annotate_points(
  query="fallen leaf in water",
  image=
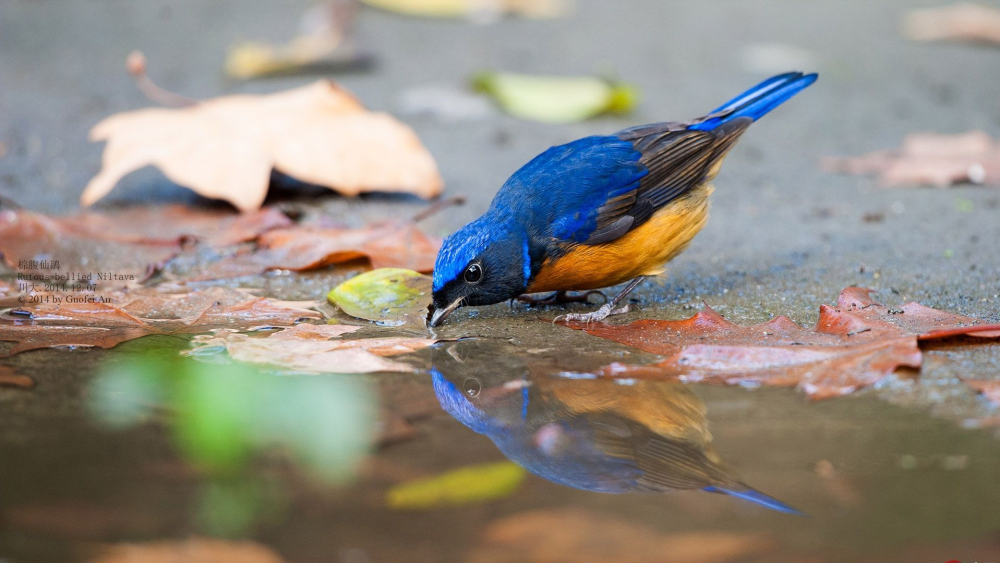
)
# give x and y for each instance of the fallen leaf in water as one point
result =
(106, 320)
(958, 22)
(314, 349)
(226, 147)
(325, 43)
(197, 550)
(117, 248)
(929, 159)
(988, 388)
(475, 9)
(392, 296)
(10, 378)
(477, 483)
(556, 99)
(575, 536)
(387, 245)
(853, 345)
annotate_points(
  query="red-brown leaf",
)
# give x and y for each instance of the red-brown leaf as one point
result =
(129, 242)
(10, 378)
(853, 345)
(929, 159)
(139, 313)
(387, 245)
(988, 388)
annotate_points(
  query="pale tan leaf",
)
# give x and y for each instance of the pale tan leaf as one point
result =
(195, 550)
(575, 536)
(226, 147)
(316, 349)
(958, 22)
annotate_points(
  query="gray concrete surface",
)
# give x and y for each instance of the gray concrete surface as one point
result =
(783, 238)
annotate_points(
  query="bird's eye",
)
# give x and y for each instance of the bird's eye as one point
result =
(474, 273)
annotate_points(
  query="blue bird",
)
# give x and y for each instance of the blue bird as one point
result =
(601, 435)
(598, 211)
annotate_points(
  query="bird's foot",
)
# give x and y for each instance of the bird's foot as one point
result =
(597, 316)
(560, 298)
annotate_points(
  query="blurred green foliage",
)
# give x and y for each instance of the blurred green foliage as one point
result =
(223, 416)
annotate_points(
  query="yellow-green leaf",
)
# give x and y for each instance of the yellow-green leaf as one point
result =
(556, 99)
(539, 9)
(477, 483)
(391, 296)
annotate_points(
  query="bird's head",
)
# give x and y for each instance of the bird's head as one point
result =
(482, 263)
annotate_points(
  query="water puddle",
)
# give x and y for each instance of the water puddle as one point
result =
(617, 470)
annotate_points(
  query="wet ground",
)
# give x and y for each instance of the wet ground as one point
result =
(898, 473)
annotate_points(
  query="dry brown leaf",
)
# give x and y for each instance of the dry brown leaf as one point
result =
(387, 245)
(10, 378)
(853, 345)
(125, 245)
(122, 316)
(316, 349)
(574, 536)
(226, 147)
(325, 43)
(196, 550)
(988, 388)
(929, 159)
(958, 22)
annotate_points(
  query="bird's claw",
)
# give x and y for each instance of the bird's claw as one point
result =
(593, 317)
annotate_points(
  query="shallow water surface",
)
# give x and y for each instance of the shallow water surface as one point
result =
(615, 468)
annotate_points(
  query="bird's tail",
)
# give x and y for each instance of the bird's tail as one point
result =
(754, 496)
(757, 101)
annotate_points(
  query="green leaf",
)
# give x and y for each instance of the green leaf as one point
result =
(477, 483)
(556, 99)
(390, 296)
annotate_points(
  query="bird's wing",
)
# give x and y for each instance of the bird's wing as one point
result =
(675, 159)
(664, 463)
(647, 167)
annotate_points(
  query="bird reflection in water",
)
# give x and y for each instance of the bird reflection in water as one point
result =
(602, 435)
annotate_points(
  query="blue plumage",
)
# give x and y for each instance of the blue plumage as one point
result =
(595, 435)
(756, 497)
(591, 191)
(759, 100)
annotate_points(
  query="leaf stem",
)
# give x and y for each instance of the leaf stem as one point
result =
(135, 63)
(437, 207)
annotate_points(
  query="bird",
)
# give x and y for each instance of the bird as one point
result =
(601, 435)
(598, 211)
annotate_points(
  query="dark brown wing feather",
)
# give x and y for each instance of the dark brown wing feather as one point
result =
(678, 159)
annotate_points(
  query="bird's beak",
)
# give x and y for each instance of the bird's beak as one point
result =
(437, 316)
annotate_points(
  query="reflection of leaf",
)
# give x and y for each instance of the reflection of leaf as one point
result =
(387, 245)
(853, 345)
(10, 378)
(988, 388)
(226, 148)
(478, 483)
(556, 99)
(391, 295)
(316, 349)
(574, 536)
(958, 22)
(929, 159)
(139, 312)
(197, 550)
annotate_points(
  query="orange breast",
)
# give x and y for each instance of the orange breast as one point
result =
(641, 252)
